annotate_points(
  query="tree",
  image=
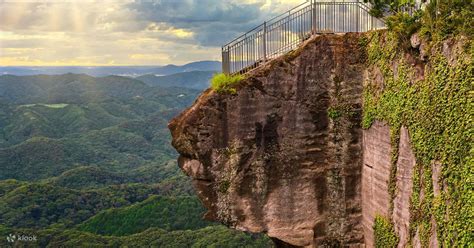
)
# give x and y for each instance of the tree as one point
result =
(382, 8)
(448, 17)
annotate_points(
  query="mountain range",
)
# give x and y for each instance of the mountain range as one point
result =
(198, 80)
(101, 71)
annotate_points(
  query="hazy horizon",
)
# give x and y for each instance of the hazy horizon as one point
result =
(151, 65)
(128, 71)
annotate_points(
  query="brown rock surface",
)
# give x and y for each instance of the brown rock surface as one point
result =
(270, 159)
(404, 184)
(375, 177)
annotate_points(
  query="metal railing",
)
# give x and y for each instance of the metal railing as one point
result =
(287, 31)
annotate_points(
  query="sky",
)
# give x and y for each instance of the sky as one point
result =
(125, 32)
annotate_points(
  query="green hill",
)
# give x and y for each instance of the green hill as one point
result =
(168, 213)
(58, 120)
(91, 177)
(40, 205)
(112, 149)
(69, 88)
(194, 79)
(84, 177)
(39, 158)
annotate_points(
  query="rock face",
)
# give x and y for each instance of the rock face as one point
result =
(284, 154)
(404, 185)
(377, 160)
(375, 177)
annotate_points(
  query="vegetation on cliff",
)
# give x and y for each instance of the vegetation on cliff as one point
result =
(436, 19)
(384, 233)
(223, 83)
(435, 104)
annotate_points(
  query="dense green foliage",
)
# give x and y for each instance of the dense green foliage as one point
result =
(40, 157)
(437, 110)
(168, 213)
(223, 83)
(78, 152)
(85, 177)
(404, 25)
(212, 236)
(40, 205)
(442, 19)
(384, 233)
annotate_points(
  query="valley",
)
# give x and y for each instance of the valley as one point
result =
(87, 161)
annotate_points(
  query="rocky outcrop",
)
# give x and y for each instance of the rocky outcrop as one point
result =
(284, 154)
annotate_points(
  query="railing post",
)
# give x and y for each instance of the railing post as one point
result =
(371, 22)
(225, 62)
(313, 16)
(359, 27)
(265, 41)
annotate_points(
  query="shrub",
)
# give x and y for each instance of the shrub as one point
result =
(223, 83)
(334, 113)
(404, 25)
(381, 8)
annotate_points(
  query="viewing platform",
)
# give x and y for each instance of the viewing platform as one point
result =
(287, 31)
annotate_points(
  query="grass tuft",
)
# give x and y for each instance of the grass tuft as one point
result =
(223, 83)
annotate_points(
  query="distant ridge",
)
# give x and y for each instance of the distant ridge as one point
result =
(198, 80)
(130, 71)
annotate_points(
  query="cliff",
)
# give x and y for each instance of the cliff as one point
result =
(310, 151)
(271, 159)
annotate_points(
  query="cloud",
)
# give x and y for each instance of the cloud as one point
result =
(213, 22)
(125, 32)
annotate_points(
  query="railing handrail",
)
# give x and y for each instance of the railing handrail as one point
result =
(267, 22)
(292, 27)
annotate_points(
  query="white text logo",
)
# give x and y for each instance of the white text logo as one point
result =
(21, 238)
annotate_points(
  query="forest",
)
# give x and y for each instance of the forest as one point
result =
(87, 161)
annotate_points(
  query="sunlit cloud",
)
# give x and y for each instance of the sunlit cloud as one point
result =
(125, 32)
